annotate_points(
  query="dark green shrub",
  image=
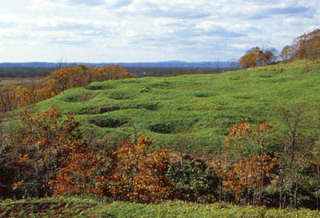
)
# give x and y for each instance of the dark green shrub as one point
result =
(193, 181)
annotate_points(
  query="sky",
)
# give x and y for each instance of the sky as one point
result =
(148, 30)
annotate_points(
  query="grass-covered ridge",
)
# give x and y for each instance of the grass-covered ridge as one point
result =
(197, 107)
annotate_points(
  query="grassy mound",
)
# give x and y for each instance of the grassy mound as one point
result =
(201, 107)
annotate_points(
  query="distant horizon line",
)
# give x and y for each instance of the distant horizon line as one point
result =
(113, 62)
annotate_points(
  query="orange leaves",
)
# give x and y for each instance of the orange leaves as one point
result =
(251, 173)
(66, 78)
(257, 57)
(245, 165)
(139, 175)
(80, 174)
(17, 185)
(23, 159)
(47, 143)
(127, 173)
(240, 130)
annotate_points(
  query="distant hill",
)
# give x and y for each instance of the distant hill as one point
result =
(166, 64)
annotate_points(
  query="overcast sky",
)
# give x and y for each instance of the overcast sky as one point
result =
(148, 30)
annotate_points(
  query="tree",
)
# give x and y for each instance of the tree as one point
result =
(84, 173)
(287, 53)
(306, 46)
(42, 144)
(293, 160)
(246, 167)
(138, 175)
(258, 57)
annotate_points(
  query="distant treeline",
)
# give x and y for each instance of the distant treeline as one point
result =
(14, 72)
(165, 72)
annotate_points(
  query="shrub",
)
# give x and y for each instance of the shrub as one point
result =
(193, 181)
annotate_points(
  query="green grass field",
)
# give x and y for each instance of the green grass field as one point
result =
(87, 207)
(193, 108)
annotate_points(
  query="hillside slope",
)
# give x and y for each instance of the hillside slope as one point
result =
(197, 109)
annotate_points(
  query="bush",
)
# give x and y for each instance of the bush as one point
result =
(193, 181)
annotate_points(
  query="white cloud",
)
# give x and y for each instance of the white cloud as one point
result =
(149, 30)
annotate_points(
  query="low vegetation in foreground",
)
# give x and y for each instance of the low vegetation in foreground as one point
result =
(88, 207)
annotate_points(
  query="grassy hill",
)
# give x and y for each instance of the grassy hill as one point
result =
(197, 109)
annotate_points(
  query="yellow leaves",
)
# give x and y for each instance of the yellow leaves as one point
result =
(23, 159)
(239, 130)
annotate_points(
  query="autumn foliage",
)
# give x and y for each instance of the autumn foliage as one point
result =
(257, 57)
(306, 46)
(45, 154)
(40, 146)
(246, 168)
(139, 175)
